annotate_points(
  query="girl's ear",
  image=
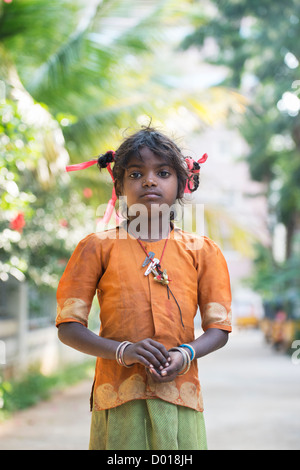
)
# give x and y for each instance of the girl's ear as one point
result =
(180, 190)
(118, 188)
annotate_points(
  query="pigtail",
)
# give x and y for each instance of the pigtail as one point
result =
(102, 161)
(105, 159)
(193, 179)
(194, 184)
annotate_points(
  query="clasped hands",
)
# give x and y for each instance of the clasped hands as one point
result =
(161, 364)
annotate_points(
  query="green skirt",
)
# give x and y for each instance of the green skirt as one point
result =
(148, 425)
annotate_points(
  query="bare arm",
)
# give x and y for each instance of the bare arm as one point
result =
(148, 352)
(210, 341)
(84, 340)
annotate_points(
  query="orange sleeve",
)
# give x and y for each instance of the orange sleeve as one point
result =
(214, 291)
(78, 284)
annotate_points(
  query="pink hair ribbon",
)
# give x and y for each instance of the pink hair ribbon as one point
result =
(112, 202)
(81, 166)
(193, 168)
(110, 207)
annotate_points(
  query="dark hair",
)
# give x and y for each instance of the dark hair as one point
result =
(159, 144)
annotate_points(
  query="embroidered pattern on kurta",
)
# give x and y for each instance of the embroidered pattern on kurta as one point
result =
(135, 388)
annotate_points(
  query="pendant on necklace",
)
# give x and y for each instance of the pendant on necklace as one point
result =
(159, 275)
(162, 277)
(154, 268)
(151, 268)
(149, 258)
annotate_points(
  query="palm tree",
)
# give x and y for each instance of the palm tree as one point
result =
(97, 67)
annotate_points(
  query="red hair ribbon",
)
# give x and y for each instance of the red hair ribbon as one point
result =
(194, 168)
(81, 166)
(112, 202)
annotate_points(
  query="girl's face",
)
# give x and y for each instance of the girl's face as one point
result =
(149, 180)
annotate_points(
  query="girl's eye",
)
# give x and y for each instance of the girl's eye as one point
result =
(135, 174)
(164, 173)
(138, 174)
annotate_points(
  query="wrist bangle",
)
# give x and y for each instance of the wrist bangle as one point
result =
(187, 364)
(120, 353)
(193, 352)
(186, 360)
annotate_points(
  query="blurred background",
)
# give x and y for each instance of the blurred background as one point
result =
(76, 77)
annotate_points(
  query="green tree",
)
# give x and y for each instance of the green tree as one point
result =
(40, 218)
(258, 43)
(75, 73)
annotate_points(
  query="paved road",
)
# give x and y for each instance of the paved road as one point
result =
(251, 397)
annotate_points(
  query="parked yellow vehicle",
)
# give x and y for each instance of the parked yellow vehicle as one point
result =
(247, 309)
(281, 326)
(249, 321)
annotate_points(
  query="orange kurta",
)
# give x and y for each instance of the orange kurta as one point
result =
(134, 306)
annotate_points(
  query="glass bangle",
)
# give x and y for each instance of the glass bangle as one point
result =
(120, 352)
(193, 352)
(186, 360)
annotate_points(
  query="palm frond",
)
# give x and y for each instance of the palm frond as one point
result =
(53, 72)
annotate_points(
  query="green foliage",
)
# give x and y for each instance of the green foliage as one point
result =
(34, 387)
(275, 279)
(89, 67)
(76, 75)
(76, 71)
(258, 43)
(52, 216)
(101, 70)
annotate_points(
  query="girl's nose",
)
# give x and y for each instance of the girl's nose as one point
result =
(149, 181)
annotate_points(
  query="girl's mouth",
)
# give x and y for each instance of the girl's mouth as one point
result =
(151, 195)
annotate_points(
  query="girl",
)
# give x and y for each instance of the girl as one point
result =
(150, 278)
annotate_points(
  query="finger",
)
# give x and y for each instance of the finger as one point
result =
(162, 349)
(154, 358)
(168, 371)
(148, 353)
(149, 360)
(171, 369)
(159, 351)
(143, 353)
(135, 353)
(163, 378)
(154, 374)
